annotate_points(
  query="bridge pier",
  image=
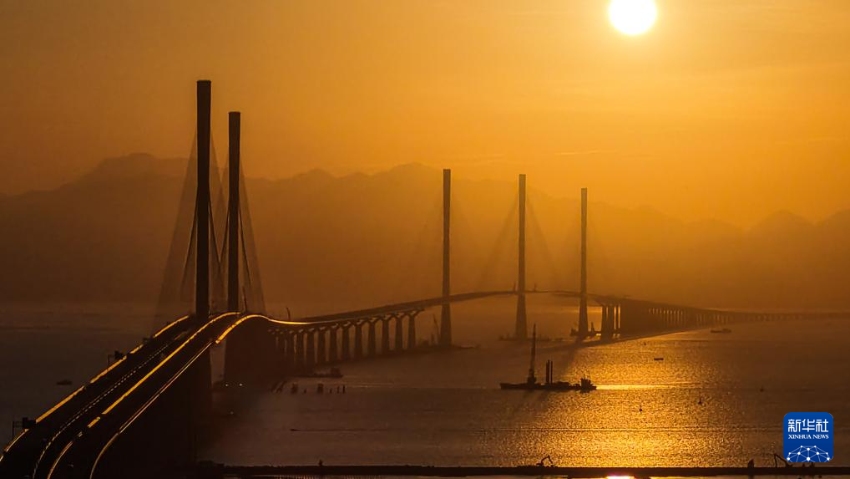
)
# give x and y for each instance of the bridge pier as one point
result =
(373, 348)
(617, 318)
(607, 326)
(311, 350)
(289, 351)
(346, 342)
(334, 356)
(300, 356)
(411, 332)
(358, 340)
(250, 355)
(385, 336)
(399, 337)
(322, 350)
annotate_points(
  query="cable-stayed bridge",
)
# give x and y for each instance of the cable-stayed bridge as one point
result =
(149, 407)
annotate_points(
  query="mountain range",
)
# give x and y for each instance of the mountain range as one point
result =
(326, 242)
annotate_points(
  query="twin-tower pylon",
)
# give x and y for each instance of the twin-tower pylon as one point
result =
(234, 234)
(521, 325)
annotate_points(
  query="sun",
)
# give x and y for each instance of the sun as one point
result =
(632, 17)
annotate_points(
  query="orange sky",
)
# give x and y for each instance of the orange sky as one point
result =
(728, 108)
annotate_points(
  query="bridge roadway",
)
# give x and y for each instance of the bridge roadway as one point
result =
(33, 452)
(68, 440)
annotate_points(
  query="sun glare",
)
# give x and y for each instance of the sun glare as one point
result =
(632, 17)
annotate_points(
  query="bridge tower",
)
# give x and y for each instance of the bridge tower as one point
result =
(446, 313)
(202, 201)
(582, 309)
(521, 319)
(234, 125)
(250, 349)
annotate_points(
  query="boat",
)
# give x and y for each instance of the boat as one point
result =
(63, 382)
(659, 358)
(531, 384)
(721, 331)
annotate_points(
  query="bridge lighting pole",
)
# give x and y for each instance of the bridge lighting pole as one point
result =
(521, 321)
(582, 311)
(446, 314)
(202, 201)
(234, 130)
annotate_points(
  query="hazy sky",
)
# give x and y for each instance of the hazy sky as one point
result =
(727, 108)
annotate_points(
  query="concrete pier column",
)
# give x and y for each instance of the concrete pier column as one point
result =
(385, 336)
(623, 321)
(310, 360)
(334, 352)
(399, 338)
(617, 309)
(321, 348)
(411, 331)
(607, 330)
(346, 342)
(288, 350)
(300, 357)
(373, 348)
(358, 340)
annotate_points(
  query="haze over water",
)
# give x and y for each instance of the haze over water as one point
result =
(448, 409)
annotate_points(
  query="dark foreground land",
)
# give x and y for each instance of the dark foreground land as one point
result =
(210, 471)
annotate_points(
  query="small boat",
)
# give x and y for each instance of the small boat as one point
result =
(721, 331)
(63, 382)
(659, 358)
(531, 384)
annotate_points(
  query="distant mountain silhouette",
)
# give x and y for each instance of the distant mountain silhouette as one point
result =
(327, 242)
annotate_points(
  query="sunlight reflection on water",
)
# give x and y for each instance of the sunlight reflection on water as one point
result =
(713, 400)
